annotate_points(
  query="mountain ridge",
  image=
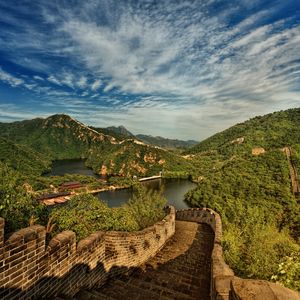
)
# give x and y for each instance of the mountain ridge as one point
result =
(121, 133)
(62, 137)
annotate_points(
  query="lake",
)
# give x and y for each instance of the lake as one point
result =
(174, 191)
(70, 166)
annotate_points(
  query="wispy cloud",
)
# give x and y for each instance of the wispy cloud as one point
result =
(10, 79)
(205, 61)
(96, 84)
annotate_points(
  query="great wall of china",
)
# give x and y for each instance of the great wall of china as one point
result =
(32, 268)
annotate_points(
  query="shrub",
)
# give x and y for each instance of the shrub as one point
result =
(85, 214)
(147, 206)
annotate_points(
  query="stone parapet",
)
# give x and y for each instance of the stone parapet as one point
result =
(32, 269)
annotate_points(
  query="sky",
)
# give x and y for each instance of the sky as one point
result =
(174, 68)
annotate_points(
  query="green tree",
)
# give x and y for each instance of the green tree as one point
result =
(17, 205)
(147, 206)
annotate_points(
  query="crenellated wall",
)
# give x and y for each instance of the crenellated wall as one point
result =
(31, 269)
(224, 285)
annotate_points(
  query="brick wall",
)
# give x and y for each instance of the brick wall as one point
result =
(224, 285)
(31, 269)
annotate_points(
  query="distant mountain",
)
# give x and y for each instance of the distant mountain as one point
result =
(120, 130)
(62, 137)
(119, 133)
(165, 143)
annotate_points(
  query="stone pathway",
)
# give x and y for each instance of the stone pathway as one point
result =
(181, 270)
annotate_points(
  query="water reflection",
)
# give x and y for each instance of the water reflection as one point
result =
(174, 190)
(70, 166)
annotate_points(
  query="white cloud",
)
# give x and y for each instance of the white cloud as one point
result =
(10, 79)
(10, 112)
(96, 84)
(82, 82)
(38, 77)
(108, 87)
(54, 80)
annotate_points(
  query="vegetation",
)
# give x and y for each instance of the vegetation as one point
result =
(17, 205)
(260, 214)
(23, 158)
(85, 214)
(146, 206)
(50, 184)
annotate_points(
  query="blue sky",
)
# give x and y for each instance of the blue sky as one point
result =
(180, 69)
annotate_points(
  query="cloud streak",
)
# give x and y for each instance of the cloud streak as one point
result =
(210, 59)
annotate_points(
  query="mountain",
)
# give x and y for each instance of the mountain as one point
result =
(272, 131)
(57, 137)
(164, 142)
(121, 130)
(62, 137)
(119, 133)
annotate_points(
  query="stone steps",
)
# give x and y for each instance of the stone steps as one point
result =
(181, 270)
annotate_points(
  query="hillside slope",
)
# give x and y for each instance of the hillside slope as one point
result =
(22, 158)
(275, 130)
(252, 192)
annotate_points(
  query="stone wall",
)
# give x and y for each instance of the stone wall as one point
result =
(32, 269)
(224, 285)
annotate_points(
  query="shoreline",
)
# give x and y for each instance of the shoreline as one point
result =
(64, 199)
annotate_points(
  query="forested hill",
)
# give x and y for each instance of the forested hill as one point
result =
(243, 174)
(57, 137)
(275, 130)
(23, 158)
(62, 137)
